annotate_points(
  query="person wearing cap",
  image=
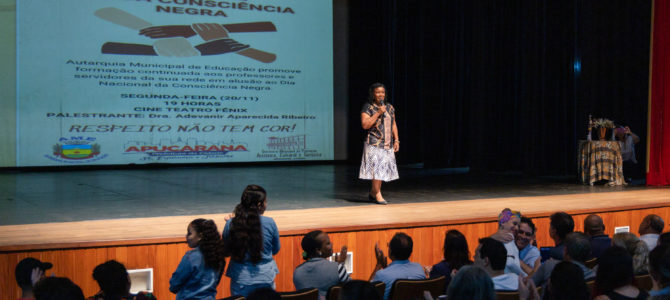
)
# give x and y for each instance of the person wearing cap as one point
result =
(28, 272)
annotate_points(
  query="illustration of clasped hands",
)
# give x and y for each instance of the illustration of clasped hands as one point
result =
(172, 40)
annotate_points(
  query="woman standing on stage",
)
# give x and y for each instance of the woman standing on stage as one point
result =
(378, 163)
(251, 240)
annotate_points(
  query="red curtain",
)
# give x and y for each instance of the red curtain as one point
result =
(659, 131)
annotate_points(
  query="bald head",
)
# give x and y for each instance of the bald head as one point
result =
(593, 225)
(651, 224)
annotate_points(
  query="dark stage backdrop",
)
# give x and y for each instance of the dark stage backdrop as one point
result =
(500, 85)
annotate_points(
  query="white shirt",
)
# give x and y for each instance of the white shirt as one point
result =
(513, 265)
(650, 239)
(506, 282)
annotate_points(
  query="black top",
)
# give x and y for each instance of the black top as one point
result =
(557, 252)
(599, 244)
(377, 134)
(441, 269)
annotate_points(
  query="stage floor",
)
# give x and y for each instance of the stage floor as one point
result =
(30, 197)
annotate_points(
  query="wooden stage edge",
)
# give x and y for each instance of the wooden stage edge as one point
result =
(172, 229)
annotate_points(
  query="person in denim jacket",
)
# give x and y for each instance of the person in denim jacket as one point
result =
(200, 269)
(251, 239)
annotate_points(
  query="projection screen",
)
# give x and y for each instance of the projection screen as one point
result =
(102, 82)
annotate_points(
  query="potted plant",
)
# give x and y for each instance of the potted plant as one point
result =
(602, 125)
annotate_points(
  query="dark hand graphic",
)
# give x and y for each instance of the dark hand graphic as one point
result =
(209, 48)
(156, 32)
(127, 49)
(220, 46)
(171, 39)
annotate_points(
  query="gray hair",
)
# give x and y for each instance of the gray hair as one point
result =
(471, 282)
(636, 248)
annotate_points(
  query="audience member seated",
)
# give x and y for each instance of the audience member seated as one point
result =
(28, 272)
(650, 228)
(528, 253)
(595, 229)
(264, 293)
(659, 269)
(636, 248)
(491, 256)
(577, 249)
(508, 225)
(614, 279)
(400, 249)
(471, 283)
(114, 282)
(663, 239)
(359, 290)
(317, 271)
(560, 225)
(57, 288)
(456, 254)
(567, 282)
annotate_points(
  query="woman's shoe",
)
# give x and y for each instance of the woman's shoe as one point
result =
(374, 200)
(383, 202)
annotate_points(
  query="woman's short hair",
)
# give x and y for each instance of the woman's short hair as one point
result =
(506, 215)
(471, 282)
(309, 244)
(371, 91)
(636, 248)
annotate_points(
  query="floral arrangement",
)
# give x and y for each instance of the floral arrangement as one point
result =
(602, 122)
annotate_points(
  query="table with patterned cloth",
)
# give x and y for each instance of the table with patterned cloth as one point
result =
(600, 160)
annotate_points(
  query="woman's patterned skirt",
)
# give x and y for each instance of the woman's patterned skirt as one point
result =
(378, 163)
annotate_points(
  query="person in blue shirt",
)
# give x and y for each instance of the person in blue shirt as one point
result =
(251, 241)
(317, 271)
(400, 250)
(200, 270)
(528, 253)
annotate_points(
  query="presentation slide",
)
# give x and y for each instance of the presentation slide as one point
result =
(103, 82)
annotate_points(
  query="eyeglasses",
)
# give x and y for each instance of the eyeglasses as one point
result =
(526, 233)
